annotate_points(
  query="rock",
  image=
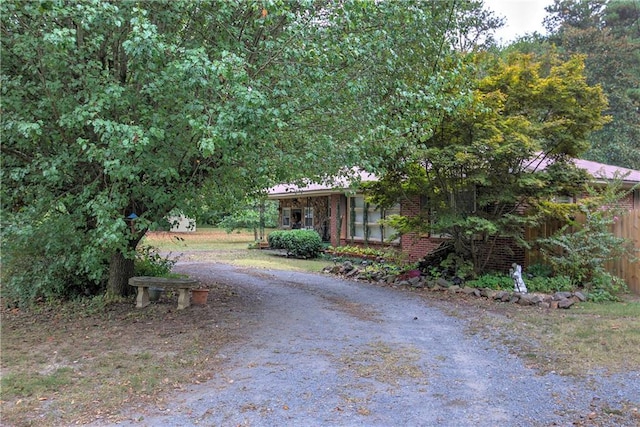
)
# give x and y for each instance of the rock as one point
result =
(502, 296)
(347, 266)
(453, 289)
(544, 305)
(467, 290)
(416, 282)
(561, 295)
(565, 303)
(488, 293)
(581, 297)
(537, 299)
(525, 300)
(403, 283)
(352, 273)
(553, 304)
(443, 283)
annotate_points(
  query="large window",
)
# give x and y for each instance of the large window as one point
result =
(365, 220)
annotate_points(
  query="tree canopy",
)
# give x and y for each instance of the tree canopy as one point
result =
(475, 169)
(608, 34)
(115, 114)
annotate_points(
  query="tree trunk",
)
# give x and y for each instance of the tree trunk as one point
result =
(120, 271)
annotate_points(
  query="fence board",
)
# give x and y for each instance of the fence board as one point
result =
(627, 226)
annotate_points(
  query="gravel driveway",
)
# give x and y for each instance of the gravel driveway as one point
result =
(320, 351)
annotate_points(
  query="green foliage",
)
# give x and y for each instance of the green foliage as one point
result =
(297, 243)
(539, 270)
(605, 287)
(501, 142)
(492, 281)
(386, 254)
(144, 107)
(252, 215)
(276, 239)
(608, 35)
(580, 249)
(50, 259)
(149, 262)
(458, 266)
(549, 285)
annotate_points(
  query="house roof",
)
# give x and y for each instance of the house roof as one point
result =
(331, 186)
(600, 171)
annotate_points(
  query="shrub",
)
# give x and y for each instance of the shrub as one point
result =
(549, 285)
(297, 243)
(275, 239)
(581, 251)
(149, 262)
(492, 281)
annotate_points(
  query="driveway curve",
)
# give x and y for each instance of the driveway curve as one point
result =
(321, 351)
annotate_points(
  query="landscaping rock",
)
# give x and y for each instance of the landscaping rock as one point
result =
(468, 290)
(561, 295)
(581, 297)
(525, 300)
(443, 282)
(416, 282)
(566, 303)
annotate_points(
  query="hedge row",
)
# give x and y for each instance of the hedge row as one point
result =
(297, 243)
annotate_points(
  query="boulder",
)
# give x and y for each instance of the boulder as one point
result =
(565, 303)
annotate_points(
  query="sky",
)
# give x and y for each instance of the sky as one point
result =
(522, 17)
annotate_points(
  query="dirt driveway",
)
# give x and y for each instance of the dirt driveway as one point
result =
(319, 351)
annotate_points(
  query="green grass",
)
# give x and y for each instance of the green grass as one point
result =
(587, 338)
(216, 245)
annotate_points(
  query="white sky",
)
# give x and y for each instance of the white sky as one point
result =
(522, 17)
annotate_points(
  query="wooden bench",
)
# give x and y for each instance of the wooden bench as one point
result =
(183, 285)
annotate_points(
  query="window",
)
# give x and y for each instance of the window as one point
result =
(636, 198)
(286, 217)
(308, 217)
(563, 199)
(365, 220)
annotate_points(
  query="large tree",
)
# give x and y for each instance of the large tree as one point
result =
(479, 170)
(115, 114)
(608, 33)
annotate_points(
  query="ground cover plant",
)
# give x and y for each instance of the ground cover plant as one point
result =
(84, 360)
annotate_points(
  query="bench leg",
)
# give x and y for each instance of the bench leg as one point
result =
(142, 299)
(184, 298)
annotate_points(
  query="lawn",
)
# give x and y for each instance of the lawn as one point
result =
(82, 361)
(216, 245)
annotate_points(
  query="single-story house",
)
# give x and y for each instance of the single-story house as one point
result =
(339, 213)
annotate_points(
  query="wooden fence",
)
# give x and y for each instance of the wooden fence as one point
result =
(627, 226)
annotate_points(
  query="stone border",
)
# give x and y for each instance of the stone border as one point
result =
(557, 300)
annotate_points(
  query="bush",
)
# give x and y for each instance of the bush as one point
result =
(275, 239)
(549, 285)
(49, 260)
(492, 281)
(149, 262)
(297, 243)
(581, 251)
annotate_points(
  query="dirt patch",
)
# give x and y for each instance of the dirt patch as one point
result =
(74, 364)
